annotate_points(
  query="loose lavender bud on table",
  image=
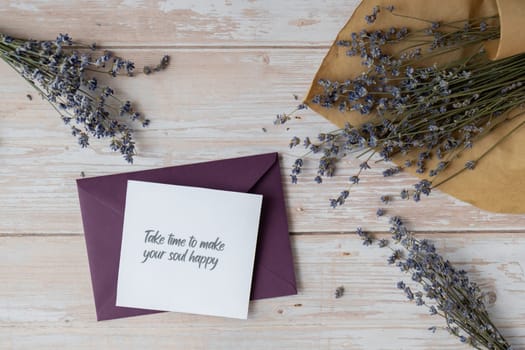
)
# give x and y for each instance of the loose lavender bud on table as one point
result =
(339, 292)
(294, 142)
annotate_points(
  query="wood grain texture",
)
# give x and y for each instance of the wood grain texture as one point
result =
(235, 64)
(210, 104)
(180, 22)
(47, 300)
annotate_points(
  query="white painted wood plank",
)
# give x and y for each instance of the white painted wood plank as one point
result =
(210, 104)
(46, 300)
(180, 22)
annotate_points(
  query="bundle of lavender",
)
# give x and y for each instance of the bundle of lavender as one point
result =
(415, 104)
(59, 70)
(441, 288)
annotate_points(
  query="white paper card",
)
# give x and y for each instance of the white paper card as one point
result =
(188, 249)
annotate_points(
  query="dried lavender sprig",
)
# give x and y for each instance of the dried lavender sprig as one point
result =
(163, 64)
(282, 118)
(58, 71)
(444, 290)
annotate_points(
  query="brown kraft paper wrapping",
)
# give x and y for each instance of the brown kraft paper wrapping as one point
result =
(498, 182)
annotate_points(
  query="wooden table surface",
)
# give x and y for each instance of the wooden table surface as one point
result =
(235, 64)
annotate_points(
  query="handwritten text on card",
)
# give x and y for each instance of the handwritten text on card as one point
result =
(197, 251)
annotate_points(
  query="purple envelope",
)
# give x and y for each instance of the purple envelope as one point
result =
(102, 202)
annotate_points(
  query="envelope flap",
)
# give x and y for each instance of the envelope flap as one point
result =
(238, 174)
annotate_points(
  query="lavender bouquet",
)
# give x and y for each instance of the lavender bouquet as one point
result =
(413, 108)
(435, 284)
(64, 74)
